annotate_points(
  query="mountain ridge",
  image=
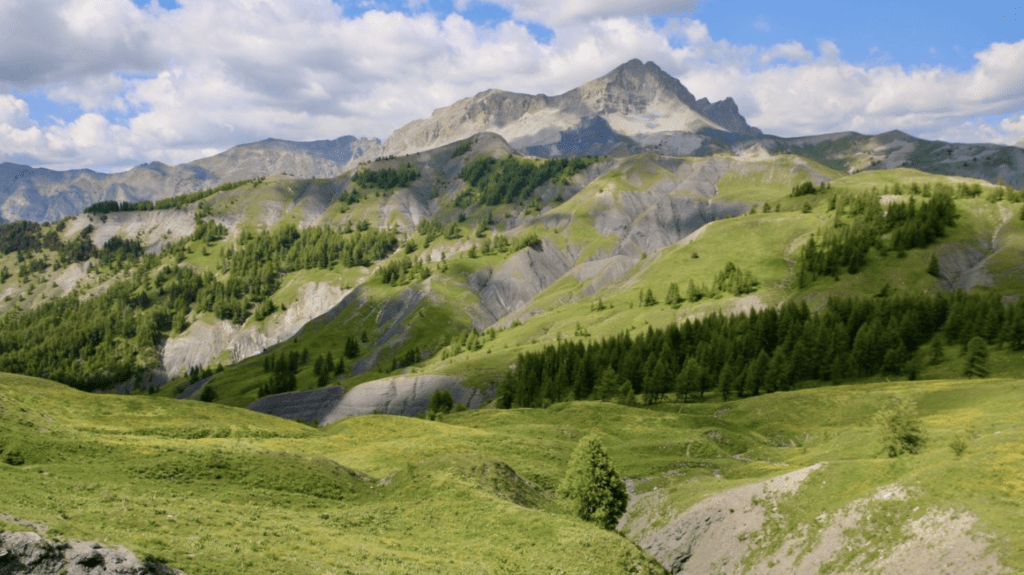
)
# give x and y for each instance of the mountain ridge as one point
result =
(636, 107)
(635, 101)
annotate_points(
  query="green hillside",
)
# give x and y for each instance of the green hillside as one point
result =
(212, 489)
(455, 261)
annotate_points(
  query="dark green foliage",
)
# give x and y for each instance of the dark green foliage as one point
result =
(20, 237)
(403, 270)
(976, 360)
(933, 266)
(208, 394)
(406, 359)
(846, 244)
(462, 148)
(511, 179)
(734, 281)
(899, 428)
(592, 486)
(258, 261)
(386, 178)
(440, 402)
(806, 189)
(282, 378)
(165, 204)
(765, 351)
(324, 368)
(351, 348)
(528, 240)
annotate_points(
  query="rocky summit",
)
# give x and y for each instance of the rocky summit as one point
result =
(634, 105)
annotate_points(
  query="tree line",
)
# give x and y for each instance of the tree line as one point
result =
(511, 179)
(113, 337)
(387, 178)
(765, 351)
(175, 202)
(860, 223)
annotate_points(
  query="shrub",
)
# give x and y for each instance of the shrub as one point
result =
(441, 402)
(899, 428)
(958, 444)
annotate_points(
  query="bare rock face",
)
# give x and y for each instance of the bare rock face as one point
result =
(202, 342)
(29, 554)
(403, 395)
(635, 101)
(521, 277)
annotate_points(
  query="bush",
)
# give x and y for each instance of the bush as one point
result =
(208, 394)
(958, 444)
(592, 485)
(441, 402)
(900, 428)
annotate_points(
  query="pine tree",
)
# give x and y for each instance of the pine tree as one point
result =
(933, 266)
(673, 297)
(592, 485)
(976, 363)
(607, 385)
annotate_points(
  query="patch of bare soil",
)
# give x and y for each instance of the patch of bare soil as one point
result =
(722, 534)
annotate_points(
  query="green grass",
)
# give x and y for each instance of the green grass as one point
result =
(211, 488)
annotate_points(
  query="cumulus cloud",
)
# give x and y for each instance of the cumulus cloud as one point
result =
(177, 85)
(556, 14)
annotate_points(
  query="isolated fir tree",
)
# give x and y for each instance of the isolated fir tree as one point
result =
(592, 485)
(933, 266)
(976, 362)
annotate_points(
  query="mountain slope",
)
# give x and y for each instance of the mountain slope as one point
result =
(853, 152)
(635, 102)
(36, 194)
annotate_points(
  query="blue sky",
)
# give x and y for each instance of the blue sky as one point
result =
(108, 84)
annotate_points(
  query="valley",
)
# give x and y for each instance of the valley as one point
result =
(726, 310)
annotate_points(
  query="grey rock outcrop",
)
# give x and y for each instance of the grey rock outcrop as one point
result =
(521, 277)
(29, 554)
(403, 395)
(634, 102)
(202, 343)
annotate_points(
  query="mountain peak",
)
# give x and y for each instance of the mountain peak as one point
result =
(640, 79)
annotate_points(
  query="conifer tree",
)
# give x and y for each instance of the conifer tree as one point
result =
(606, 385)
(592, 486)
(976, 362)
(673, 297)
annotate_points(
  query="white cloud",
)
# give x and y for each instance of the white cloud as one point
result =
(556, 14)
(207, 76)
(762, 24)
(14, 112)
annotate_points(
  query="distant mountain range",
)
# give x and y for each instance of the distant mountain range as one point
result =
(636, 107)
